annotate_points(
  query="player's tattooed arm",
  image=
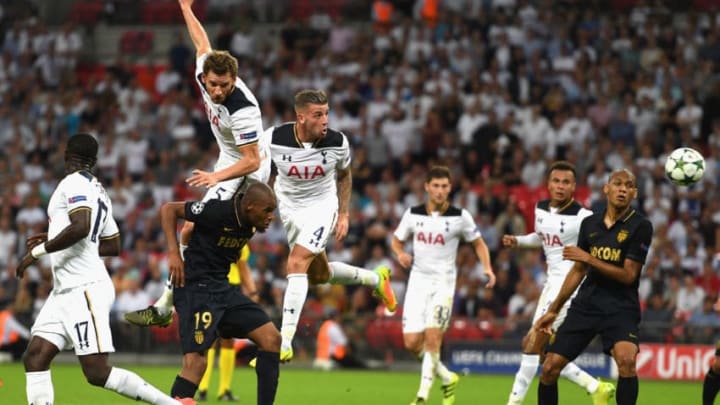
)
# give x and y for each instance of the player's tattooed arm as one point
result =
(344, 189)
(195, 29)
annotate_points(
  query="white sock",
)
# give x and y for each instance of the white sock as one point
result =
(427, 376)
(131, 385)
(524, 376)
(164, 304)
(39, 388)
(342, 273)
(440, 369)
(293, 302)
(575, 374)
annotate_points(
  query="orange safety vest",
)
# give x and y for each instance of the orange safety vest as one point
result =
(382, 12)
(429, 11)
(4, 316)
(323, 343)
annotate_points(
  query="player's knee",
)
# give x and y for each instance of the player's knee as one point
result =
(270, 341)
(315, 278)
(716, 365)
(626, 365)
(34, 360)
(31, 360)
(96, 374)
(413, 345)
(550, 371)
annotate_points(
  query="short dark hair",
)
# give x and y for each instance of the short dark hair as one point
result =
(438, 172)
(83, 146)
(220, 63)
(305, 97)
(564, 166)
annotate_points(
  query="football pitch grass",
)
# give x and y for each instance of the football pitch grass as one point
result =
(303, 386)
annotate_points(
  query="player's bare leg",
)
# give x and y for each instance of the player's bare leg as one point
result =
(379, 279)
(625, 354)
(711, 384)
(426, 346)
(124, 382)
(533, 344)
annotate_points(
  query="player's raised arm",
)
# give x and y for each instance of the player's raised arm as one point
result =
(195, 29)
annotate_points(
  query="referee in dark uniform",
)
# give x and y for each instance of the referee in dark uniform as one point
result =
(208, 306)
(611, 250)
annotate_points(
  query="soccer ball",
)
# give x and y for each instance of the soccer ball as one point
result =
(684, 166)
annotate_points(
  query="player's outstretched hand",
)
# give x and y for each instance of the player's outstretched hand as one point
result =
(545, 323)
(177, 269)
(25, 262)
(509, 240)
(576, 254)
(35, 240)
(201, 178)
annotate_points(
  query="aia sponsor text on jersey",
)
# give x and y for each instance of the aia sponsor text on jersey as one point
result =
(550, 239)
(306, 172)
(430, 239)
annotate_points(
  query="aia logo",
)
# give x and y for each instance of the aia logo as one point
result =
(550, 239)
(430, 238)
(306, 172)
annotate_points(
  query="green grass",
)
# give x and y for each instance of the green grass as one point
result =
(299, 386)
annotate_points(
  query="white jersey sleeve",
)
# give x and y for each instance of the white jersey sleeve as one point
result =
(244, 124)
(470, 231)
(529, 240)
(404, 228)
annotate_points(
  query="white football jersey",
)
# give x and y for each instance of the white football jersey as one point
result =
(80, 263)
(436, 238)
(306, 173)
(235, 122)
(555, 229)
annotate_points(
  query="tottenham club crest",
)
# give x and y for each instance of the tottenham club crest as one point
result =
(622, 235)
(197, 207)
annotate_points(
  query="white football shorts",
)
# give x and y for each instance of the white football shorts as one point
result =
(225, 190)
(309, 227)
(78, 318)
(548, 295)
(428, 303)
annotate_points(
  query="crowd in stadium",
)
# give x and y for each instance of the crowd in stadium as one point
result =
(496, 90)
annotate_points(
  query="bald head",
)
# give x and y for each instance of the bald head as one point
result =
(257, 206)
(258, 192)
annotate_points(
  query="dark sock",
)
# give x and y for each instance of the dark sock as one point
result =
(268, 373)
(547, 394)
(627, 391)
(711, 386)
(183, 388)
